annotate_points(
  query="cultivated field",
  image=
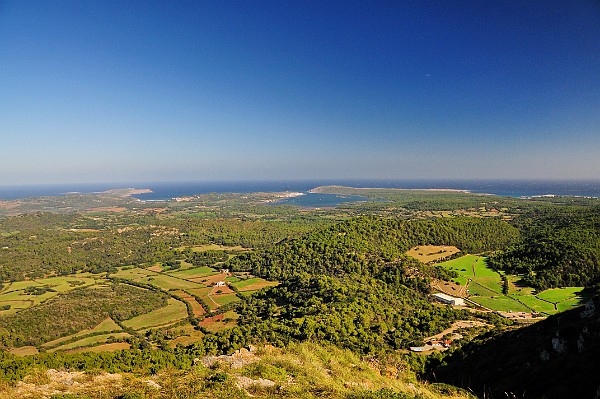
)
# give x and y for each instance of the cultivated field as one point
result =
(485, 287)
(89, 341)
(204, 289)
(107, 325)
(19, 295)
(251, 285)
(174, 311)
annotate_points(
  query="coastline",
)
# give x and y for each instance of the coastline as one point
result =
(321, 189)
(125, 192)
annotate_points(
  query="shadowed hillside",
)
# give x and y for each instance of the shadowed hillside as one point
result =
(555, 358)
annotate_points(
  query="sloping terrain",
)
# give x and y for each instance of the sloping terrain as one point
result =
(554, 358)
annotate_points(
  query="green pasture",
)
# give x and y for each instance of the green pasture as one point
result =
(476, 289)
(167, 282)
(202, 293)
(486, 288)
(556, 295)
(19, 285)
(252, 284)
(224, 299)
(19, 296)
(173, 312)
(535, 304)
(89, 341)
(67, 283)
(500, 303)
(15, 306)
(160, 280)
(568, 304)
(195, 272)
(107, 325)
(463, 265)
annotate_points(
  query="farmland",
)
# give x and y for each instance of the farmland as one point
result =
(19, 295)
(486, 287)
(169, 296)
(174, 311)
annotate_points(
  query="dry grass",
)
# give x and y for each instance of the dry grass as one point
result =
(24, 351)
(431, 253)
(305, 370)
(104, 347)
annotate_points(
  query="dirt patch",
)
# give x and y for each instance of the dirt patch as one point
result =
(197, 308)
(457, 325)
(156, 268)
(8, 205)
(24, 351)
(431, 253)
(210, 320)
(450, 288)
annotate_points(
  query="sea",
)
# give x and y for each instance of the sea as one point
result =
(162, 191)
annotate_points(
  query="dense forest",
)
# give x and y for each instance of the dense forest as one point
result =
(362, 244)
(560, 247)
(39, 244)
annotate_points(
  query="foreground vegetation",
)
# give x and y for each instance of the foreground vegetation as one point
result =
(298, 371)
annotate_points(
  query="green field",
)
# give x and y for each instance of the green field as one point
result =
(463, 265)
(556, 295)
(173, 312)
(88, 341)
(485, 287)
(194, 272)
(107, 325)
(535, 304)
(224, 299)
(67, 283)
(19, 285)
(252, 284)
(501, 303)
(160, 280)
(15, 295)
(15, 305)
(202, 293)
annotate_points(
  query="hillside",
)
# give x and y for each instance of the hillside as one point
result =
(554, 358)
(299, 371)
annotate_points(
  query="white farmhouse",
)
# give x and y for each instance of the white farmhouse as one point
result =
(449, 300)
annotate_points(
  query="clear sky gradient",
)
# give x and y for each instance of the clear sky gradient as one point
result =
(117, 91)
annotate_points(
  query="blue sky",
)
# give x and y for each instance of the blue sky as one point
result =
(126, 91)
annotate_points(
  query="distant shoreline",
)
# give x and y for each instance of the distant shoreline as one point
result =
(125, 192)
(168, 190)
(318, 190)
